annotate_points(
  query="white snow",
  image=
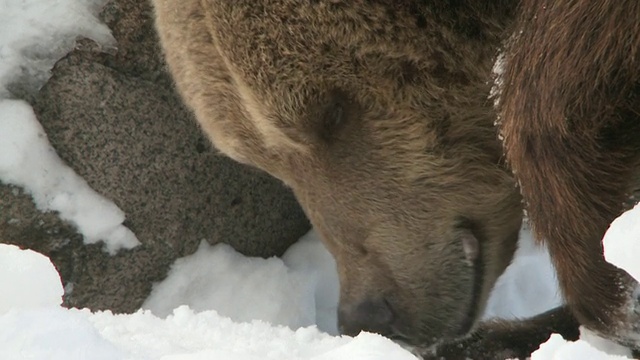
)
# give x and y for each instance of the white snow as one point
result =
(44, 330)
(32, 278)
(557, 348)
(215, 304)
(622, 242)
(243, 289)
(262, 289)
(53, 333)
(194, 336)
(528, 286)
(310, 259)
(299, 290)
(33, 35)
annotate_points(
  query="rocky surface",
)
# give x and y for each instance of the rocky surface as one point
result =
(114, 117)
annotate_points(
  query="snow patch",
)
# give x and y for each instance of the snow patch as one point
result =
(512, 297)
(52, 332)
(34, 34)
(262, 289)
(28, 280)
(238, 284)
(186, 334)
(622, 242)
(589, 347)
(311, 259)
(299, 290)
(28, 160)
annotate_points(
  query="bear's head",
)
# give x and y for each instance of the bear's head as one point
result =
(377, 117)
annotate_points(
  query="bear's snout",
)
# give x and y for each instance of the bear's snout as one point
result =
(372, 314)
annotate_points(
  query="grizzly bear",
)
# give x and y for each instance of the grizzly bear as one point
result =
(376, 115)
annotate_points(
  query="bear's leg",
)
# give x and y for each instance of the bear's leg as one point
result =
(570, 117)
(574, 187)
(569, 107)
(498, 339)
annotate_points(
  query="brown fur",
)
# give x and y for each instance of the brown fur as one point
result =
(507, 339)
(375, 113)
(570, 111)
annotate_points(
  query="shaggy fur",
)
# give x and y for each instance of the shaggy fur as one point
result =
(570, 112)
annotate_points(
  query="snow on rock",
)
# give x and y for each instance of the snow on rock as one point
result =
(27, 160)
(622, 242)
(34, 34)
(28, 280)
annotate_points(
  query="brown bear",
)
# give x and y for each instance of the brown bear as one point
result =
(376, 114)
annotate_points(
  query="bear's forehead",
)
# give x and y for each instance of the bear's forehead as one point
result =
(291, 58)
(308, 46)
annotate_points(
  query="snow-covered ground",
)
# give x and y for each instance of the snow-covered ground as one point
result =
(216, 303)
(34, 326)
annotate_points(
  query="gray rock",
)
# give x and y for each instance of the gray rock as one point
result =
(117, 121)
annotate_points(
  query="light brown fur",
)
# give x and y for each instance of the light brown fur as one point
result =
(375, 113)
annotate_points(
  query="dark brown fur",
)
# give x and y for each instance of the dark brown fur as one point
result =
(570, 113)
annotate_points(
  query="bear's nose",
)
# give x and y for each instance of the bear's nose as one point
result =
(373, 315)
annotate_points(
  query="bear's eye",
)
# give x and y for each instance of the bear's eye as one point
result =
(334, 116)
